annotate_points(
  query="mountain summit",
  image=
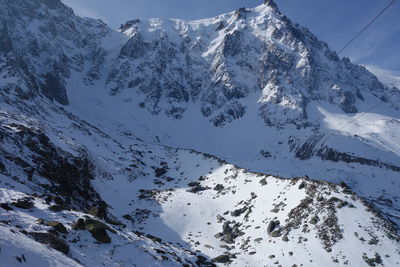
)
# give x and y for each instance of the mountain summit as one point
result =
(220, 62)
(164, 143)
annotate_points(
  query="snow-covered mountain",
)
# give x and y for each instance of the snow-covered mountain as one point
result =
(165, 143)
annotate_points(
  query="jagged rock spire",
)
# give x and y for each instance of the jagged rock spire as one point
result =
(271, 4)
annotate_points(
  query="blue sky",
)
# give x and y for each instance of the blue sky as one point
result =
(333, 21)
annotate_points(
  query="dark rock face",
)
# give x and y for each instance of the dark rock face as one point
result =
(69, 175)
(79, 225)
(314, 146)
(57, 42)
(23, 204)
(51, 241)
(53, 89)
(5, 206)
(222, 259)
(100, 235)
(134, 48)
(230, 231)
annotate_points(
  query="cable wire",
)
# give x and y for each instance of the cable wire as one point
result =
(327, 135)
(369, 24)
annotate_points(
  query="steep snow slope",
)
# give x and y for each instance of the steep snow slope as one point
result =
(389, 77)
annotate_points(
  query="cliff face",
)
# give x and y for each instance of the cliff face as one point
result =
(42, 43)
(218, 62)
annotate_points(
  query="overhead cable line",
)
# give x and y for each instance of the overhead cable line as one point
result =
(369, 24)
(326, 136)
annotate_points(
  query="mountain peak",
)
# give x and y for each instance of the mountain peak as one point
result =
(271, 4)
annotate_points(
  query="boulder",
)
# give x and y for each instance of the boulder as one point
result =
(98, 230)
(222, 259)
(59, 227)
(91, 224)
(79, 225)
(23, 203)
(56, 208)
(314, 220)
(276, 233)
(98, 212)
(219, 187)
(100, 235)
(302, 185)
(238, 212)
(271, 226)
(263, 181)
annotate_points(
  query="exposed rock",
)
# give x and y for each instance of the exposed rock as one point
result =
(197, 187)
(272, 225)
(343, 185)
(276, 233)
(154, 238)
(2, 167)
(128, 217)
(238, 212)
(23, 203)
(372, 261)
(100, 235)
(79, 225)
(98, 230)
(219, 187)
(314, 220)
(263, 181)
(94, 224)
(222, 259)
(160, 171)
(99, 212)
(59, 227)
(5, 206)
(52, 241)
(56, 208)
(302, 185)
(230, 231)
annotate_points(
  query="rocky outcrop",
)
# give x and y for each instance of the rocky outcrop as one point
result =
(69, 176)
(52, 241)
(42, 42)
